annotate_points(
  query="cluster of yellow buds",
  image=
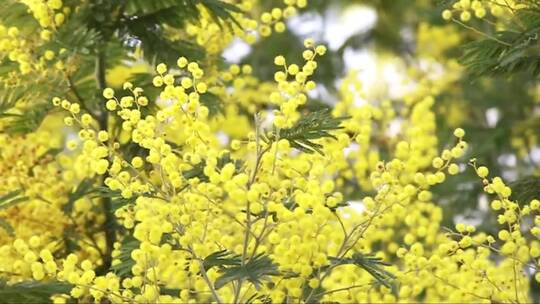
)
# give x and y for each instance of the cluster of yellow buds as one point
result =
(293, 84)
(19, 46)
(466, 9)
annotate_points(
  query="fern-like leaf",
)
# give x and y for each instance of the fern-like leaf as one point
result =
(507, 52)
(372, 264)
(12, 198)
(313, 126)
(525, 189)
(123, 269)
(221, 259)
(32, 291)
(254, 271)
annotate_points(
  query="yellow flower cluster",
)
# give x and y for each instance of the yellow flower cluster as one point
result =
(193, 199)
(208, 33)
(466, 9)
(19, 45)
(434, 41)
(249, 94)
(27, 166)
(193, 191)
(293, 84)
(29, 259)
(274, 19)
(33, 185)
(49, 13)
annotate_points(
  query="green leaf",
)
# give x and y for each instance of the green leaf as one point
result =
(314, 295)
(15, 13)
(143, 24)
(507, 52)
(75, 37)
(212, 102)
(85, 187)
(221, 11)
(254, 271)
(142, 8)
(156, 47)
(372, 264)
(32, 291)
(8, 100)
(175, 12)
(4, 224)
(313, 126)
(221, 259)
(525, 189)
(123, 269)
(12, 198)
(117, 200)
(29, 120)
(196, 172)
(70, 238)
(259, 298)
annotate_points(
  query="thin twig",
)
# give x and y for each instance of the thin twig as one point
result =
(481, 33)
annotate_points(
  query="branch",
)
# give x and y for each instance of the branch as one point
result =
(481, 33)
(108, 225)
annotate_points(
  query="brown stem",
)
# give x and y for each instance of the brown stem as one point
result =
(102, 118)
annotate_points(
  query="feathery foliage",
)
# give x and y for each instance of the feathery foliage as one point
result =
(310, 127)
(31, 292)
(255, 271)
